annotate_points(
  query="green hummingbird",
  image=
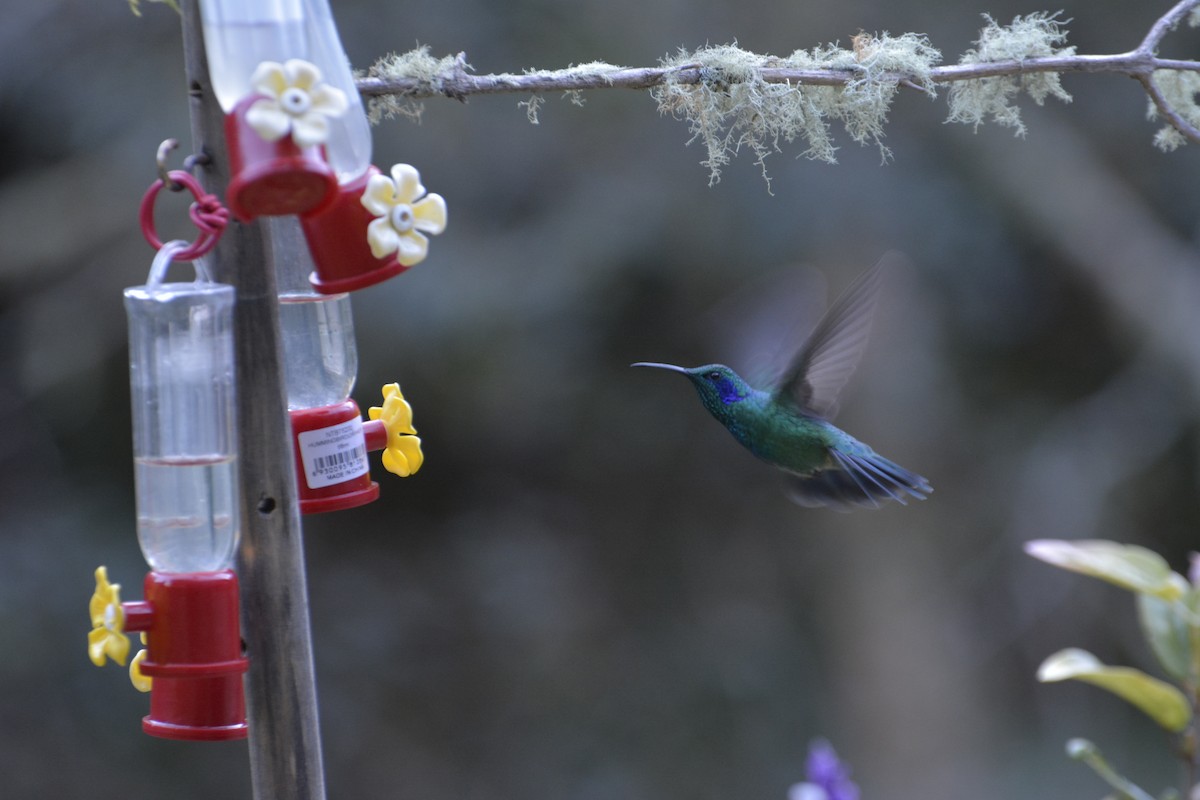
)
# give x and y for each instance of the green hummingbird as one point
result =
(788, 425)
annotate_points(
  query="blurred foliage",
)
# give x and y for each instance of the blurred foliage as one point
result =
(1167, 610)
(589, 590)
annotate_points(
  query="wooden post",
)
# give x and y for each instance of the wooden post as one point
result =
(281, 694)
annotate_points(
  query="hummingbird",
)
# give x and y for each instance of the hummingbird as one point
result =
(788, 423)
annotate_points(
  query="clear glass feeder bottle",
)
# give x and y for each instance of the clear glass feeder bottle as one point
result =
(181, 371)
(320, 352)
(320, 365)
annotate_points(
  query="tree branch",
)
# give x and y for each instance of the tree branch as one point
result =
(1164, 25)
(459, 86)
(452, 77)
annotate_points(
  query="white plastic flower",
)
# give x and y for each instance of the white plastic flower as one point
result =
(403, 214)
(296, 101)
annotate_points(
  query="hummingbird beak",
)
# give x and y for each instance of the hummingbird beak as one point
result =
(657, 365)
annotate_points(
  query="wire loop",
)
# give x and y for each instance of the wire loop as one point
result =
(206, 213)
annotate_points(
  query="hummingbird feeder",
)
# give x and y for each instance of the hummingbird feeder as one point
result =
(294, 122)
(181, 369)
(300, 143)
(321, 365)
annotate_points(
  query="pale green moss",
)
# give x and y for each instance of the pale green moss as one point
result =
(433, 76)
(1179, 89)
(429, 73)
(591, 72)
(733, 107)
(876, 61)
(1033, 36)
(725, 110)
(1167, 138)
(532, 106)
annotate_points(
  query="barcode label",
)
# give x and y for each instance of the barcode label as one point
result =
(333, 455)
(338, 460)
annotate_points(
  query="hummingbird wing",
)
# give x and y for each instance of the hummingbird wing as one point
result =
(758, 328)
(830, 354)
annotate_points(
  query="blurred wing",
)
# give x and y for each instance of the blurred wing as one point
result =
(824, 364)
(757, 328)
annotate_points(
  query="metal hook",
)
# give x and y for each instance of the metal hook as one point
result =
(196, 160)
(163, 149)
(189, 164)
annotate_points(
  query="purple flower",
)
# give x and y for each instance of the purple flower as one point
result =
(827, 778)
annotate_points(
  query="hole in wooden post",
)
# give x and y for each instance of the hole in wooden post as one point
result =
(266, 505)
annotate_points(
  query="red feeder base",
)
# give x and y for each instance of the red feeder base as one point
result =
(273, 178)
(331, 458)
(194, 655)
(337, 239)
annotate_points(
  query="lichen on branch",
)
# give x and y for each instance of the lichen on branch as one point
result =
(1179, 89)
(733, 99)
(427, 74)
(1177, 92)
(732, 105)
(1037, 35)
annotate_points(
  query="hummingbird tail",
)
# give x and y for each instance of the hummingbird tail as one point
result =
(857, 479)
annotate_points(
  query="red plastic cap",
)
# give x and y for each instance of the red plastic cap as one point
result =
(194, 656)
(273, 178)
(331, 458)
(337, 240)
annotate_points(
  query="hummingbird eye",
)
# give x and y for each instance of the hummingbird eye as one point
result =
(714, 376)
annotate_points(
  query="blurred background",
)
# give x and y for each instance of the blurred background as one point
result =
(590, 590)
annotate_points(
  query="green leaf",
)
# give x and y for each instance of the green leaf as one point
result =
(1166, 628)
(1159, 700)
(1191, 602)
(1126, 565)
(135, 6)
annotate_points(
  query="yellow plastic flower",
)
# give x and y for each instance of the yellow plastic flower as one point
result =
(403, 215)
(296, 101)
(141, 682)
(107, 638)
(403, 455)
